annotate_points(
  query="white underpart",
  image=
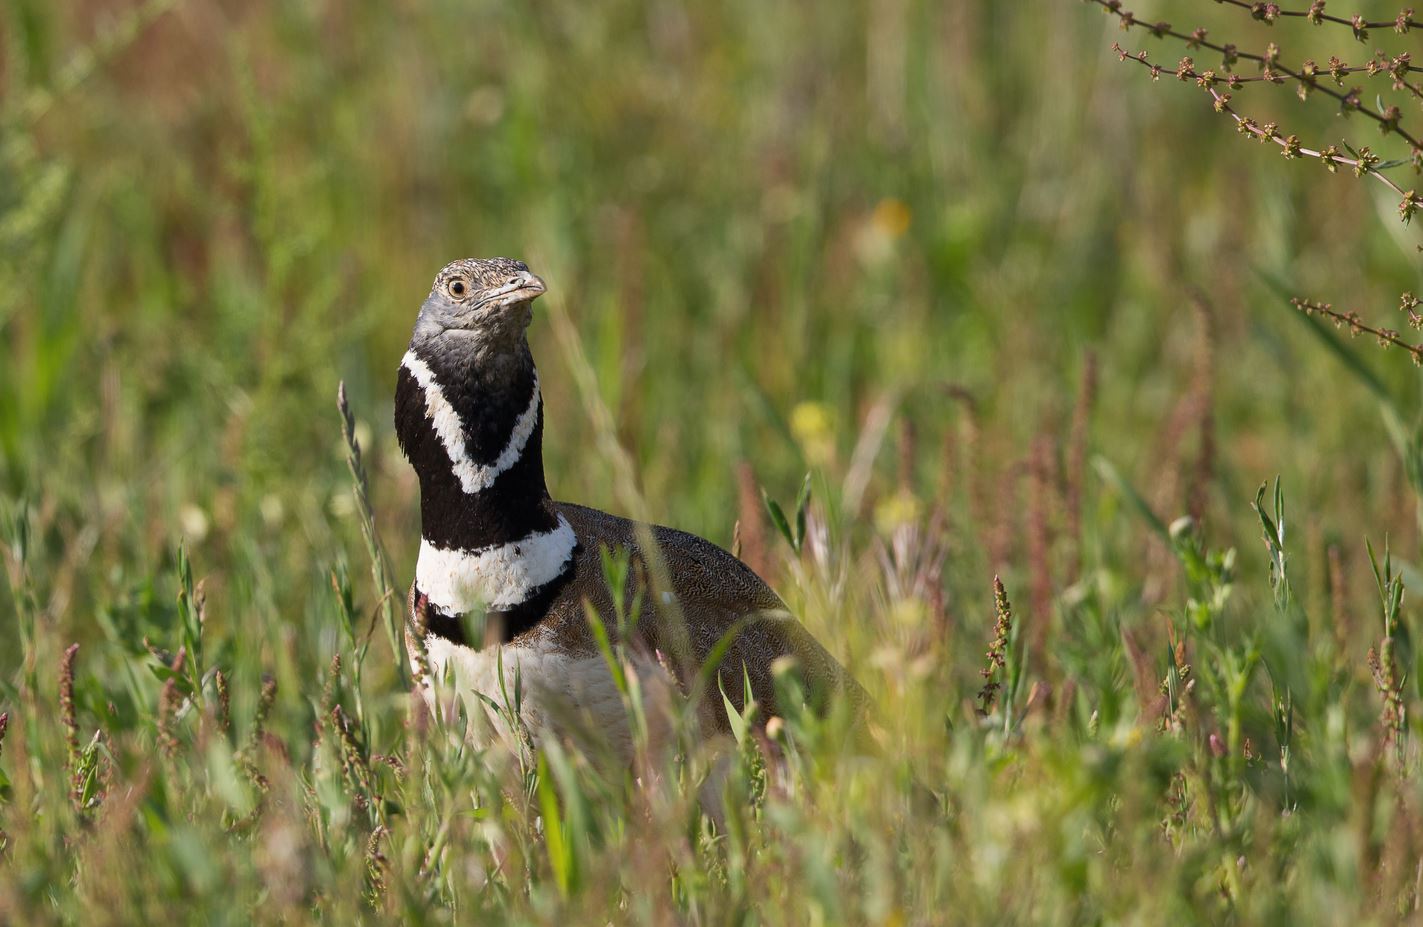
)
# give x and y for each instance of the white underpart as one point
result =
(555, 689)
(460, 581)
(472, 476)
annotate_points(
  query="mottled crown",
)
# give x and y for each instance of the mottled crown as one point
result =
(482, 273)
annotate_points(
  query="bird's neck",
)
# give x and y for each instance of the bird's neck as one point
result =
(473, 430)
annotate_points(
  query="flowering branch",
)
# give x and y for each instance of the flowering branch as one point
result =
(1366, 161)
(1308, 78)
(1386, 336)
(1273, 71)
(1268, 12)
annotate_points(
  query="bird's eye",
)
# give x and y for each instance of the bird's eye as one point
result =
(457, 287)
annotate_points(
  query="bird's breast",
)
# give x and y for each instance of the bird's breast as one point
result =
(543, 687)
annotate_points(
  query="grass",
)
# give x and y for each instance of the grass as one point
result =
(1016, 311)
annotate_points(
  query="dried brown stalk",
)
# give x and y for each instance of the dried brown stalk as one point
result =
(996, 657)
(1386, 336)
(1077, 458)
(1040, 544)
(752, 530)
(1338, 598)
(908, 447)
(1203, 393)
(224, 701)
(1272, 70)
(168, 702)
(69, 718)
(353, 759)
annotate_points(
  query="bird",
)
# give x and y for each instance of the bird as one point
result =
(498, 553)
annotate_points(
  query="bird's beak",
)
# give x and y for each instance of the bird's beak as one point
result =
(525, 287)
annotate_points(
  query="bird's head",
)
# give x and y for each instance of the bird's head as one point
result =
(481, 304)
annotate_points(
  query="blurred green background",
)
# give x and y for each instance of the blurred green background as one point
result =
(214, 211)
(883, 242)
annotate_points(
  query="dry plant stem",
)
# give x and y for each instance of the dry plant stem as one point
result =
(1198, 40)
(168, 702)
(377, 865)
(1310, 73)
(69, 717)
(1365, 162)
(1392, 713)
(1004, 528)
(1198, 492)
(4, 726)
(224, 701)
(752, 532)
(1077, 459)
(1385, 336)
(1338, 597)
(246, 757)
(419, 622)
(1040, 546)
(1290, 143)
(908, 447)
(66, 705)
(1316, 15)
(975, 480)
(1202, 392)
(947, 468)
(996, 657)
(353, 759)
(330, 691)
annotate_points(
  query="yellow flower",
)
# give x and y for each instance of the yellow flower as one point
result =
(902, 508)
(891, 217)
(887, 223)
(811, 424)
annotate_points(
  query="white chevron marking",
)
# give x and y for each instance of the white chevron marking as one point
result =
(472, 476)
(460, 581)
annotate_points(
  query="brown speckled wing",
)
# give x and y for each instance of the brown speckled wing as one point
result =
(714, 591)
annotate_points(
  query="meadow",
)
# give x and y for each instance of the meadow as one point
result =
(967, 297)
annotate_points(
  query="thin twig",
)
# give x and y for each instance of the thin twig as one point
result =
(1267, 13)
(1269, 63)
(1290, 144)
(1385, 336)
